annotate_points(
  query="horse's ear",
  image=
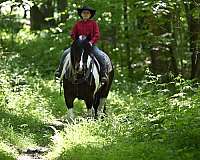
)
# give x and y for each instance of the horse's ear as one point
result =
(74, 43)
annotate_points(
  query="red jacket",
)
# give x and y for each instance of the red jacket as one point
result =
(88, 28)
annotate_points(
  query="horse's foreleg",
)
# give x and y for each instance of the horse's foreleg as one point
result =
(90, 109)
(101, 106)
(69, 103)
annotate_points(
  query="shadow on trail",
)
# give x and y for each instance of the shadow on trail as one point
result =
(24, 126)
(5, 156)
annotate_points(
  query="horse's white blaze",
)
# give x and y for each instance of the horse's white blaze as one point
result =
(101, 104)
(81, 63)
(71, 113)
(95, 74)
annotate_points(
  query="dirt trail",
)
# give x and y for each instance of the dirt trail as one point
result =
(37, 153)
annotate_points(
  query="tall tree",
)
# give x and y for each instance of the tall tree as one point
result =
(62, 10)
(126, 34)
(36, 18)
(193, 18)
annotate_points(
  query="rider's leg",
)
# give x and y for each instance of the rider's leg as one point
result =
(99, 56)
(60, 67)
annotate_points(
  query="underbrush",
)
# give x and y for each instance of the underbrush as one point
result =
(147, 120)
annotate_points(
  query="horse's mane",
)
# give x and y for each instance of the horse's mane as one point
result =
(67, 68)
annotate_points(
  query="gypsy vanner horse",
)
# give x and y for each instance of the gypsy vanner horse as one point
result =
(83, 81)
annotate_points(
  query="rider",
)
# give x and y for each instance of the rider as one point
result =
(89, 28)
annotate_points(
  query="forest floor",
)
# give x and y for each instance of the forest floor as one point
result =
(147, 119)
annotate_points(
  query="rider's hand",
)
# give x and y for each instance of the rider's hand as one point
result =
(88, 46)
(90, 43)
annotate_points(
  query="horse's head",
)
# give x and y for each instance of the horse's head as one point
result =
(78, 51)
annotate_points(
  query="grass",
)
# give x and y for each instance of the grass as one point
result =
(147, 120)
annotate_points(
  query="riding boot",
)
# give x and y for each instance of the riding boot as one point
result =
(58, 71)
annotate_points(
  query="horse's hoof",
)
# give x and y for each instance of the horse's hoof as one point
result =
(90, 113)
(71, 120)
(101, 116)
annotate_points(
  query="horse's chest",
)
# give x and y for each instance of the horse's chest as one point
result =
(79, 90)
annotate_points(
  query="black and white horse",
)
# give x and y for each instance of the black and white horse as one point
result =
(84, 82)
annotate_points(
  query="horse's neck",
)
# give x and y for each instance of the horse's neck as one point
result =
(67, 66)
(89, 59)
(95, 61)
(68, 63)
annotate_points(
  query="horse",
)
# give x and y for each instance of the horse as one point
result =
(83, 82)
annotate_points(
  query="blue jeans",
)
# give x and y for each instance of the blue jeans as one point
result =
(100, 57)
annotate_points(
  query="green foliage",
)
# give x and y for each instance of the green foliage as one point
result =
(149, 117)
(4, 155)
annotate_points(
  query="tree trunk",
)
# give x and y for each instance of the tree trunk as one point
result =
(61, 7)
(162, 57)
(47, 10)
(36, 18)
(126, 34)
(193, 27)
(42, 17)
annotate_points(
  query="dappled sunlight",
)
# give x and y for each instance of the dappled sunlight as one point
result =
(19, 139)
(23, 115)
(121, 102)
(145, 118)
(7, 150)
(115, 99)
(24, 36)
(181, 103)
(81, 134)
(30, 103)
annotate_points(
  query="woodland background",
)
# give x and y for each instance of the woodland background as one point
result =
(153, 107)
